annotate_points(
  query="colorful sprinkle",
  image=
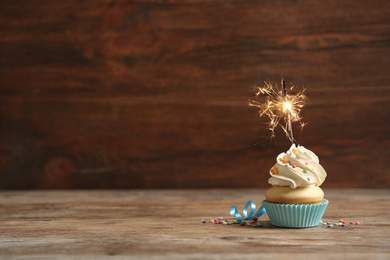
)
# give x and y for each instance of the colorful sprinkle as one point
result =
(312, 168)
(235, 222)
(254, 225)
(305, 152)
(344, 222)
(324, 224)
(289, 162)
(294, 166)
(229, 223)
(254, 218)
(253, 221)
(286, 164)
(216, 223)
(357, 223)
(330, 225)
(343, 225)
(259, 225)
(308, 179)
(336, 224)
(306, 163)
(351, 223)
(220, 218)
(341, 220)
(304, 171)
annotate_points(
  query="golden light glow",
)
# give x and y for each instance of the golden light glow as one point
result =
(279, 106)
(287, 107)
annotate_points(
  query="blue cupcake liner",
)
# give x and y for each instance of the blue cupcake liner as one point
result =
(295, 215)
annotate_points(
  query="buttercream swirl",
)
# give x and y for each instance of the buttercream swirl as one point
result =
(298, 167)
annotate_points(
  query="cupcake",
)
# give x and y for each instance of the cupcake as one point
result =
(296, 200)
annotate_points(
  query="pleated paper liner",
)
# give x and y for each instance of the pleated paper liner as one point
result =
(295, 215)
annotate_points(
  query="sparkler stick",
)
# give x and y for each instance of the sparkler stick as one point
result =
(280, 106)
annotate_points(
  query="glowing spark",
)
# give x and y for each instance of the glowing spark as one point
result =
(279, 106)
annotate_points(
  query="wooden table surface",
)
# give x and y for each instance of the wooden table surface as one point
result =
(155, 224)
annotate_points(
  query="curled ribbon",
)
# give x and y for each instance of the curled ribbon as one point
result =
(252, 205)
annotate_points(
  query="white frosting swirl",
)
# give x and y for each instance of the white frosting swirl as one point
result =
(298, 167)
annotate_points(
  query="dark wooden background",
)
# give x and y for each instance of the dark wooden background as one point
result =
(152, 94)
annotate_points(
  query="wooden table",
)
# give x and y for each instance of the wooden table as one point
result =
(155, 224)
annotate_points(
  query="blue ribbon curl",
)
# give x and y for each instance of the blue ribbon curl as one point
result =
(250, 204)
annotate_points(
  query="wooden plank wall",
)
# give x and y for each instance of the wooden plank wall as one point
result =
(153, 94)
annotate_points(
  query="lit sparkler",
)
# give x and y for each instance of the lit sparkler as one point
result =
(280, 107)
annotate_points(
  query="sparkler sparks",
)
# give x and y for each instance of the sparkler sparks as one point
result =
(280, 107)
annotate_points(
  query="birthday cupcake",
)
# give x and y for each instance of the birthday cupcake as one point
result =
(296, 200)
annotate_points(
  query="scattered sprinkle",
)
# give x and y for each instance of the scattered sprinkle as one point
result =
(220, 222)
(305, 152)
(304, 171)
(216, 222)
(229, 223)
(341, 223)
(220, 218)
(254, 218)
(235, 222)
(294, 166)
(306, 163)
(308, 179)
(203, 221)
(312, 168)
(289, 162)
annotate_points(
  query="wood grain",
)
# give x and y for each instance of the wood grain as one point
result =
(159, 224)
(153, 94)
